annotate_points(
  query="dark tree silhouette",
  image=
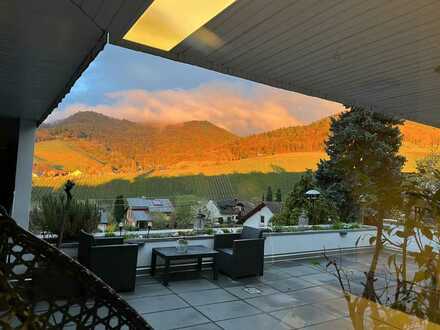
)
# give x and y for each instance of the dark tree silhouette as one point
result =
(269, 195)
(278, 196)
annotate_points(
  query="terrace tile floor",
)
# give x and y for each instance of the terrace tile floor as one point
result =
(291, 295)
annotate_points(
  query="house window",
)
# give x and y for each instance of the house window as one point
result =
(262, 219)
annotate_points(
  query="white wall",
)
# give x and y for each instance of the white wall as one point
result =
(279, 244)
(23, 175)
(255, 220)
(276, 244)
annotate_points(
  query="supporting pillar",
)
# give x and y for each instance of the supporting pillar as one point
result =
(23, 172)
(8, 160)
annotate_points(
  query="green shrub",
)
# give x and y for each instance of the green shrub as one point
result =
(47, 217)
(130, 236)
(160, 221)
(209, 231)
(110, 230)
(277, 229)
(129, 227)
(338, 225)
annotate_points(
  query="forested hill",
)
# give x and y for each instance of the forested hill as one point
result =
(305, 138)
(94, 143)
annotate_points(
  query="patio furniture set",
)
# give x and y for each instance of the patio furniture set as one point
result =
(236, 255)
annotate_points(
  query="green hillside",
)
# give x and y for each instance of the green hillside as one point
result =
(249, 186)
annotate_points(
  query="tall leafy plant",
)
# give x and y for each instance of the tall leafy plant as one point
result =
(119, 209)
(364, 170)
(52, 216)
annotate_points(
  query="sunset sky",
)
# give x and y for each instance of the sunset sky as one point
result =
(141, 87)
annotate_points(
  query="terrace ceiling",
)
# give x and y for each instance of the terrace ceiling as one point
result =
(384, 55)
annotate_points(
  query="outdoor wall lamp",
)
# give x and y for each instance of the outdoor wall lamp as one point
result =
(312, 195)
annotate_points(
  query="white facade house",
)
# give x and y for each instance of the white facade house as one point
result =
(227, 210)
(261, 216)
(140, 210)
(103, 219)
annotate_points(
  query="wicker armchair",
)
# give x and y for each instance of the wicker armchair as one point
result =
(110, 259)
(241, 254)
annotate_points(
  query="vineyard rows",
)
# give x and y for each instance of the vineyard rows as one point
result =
(245, 186)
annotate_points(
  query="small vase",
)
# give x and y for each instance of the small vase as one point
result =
(182, 247)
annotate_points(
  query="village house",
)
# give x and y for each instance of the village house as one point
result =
(227, 210)
(261, 216)
(141, 210)
(103, 219)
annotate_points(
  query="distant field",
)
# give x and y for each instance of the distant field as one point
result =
(248, 186)
(63, 155)
(247, 178)
(289, 162)
(69, 158)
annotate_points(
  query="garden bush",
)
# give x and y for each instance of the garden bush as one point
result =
(47, 217)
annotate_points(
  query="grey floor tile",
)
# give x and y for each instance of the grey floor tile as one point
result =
(206, 326)
(274, 302)
(303, 316)
(302, 270)
(249, 280)
(313, 295)
(224, 281)
(288, 263)
(251, 291)
(319, 278)
(142, 280)
(199, 298)
(255, 322)
(148, 290)
(339, 324)
(290, 284)
(274, 275)
(156, 304)
(338, 306)
(191, 285)
(228, 310)
(176, 319)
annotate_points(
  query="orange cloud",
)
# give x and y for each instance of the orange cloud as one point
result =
(241, 110)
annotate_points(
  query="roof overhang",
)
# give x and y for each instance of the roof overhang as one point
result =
(44, 48)
(382, 55)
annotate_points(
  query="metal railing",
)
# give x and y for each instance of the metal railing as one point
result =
(43, 288)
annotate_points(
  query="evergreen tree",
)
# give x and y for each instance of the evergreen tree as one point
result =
(318, 211)
(269, 196)
(119, 209)
(364, 170)
(278, 196)
(364, 166)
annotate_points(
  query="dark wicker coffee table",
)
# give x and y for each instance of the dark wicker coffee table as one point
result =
(171, 253)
